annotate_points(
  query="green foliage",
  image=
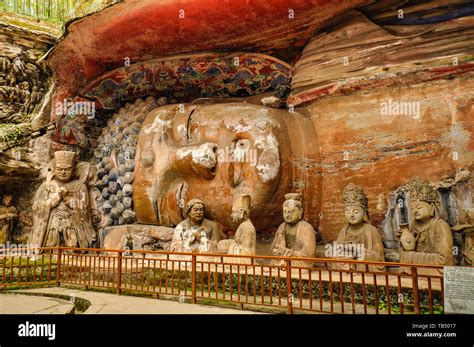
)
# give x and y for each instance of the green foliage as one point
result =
(13, 134)
(55, 11)
(14, 271)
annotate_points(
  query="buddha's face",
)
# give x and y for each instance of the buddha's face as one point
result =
(237, 215)
(292, 213)
(354, 215)
(196, 213)
(210, 152)
(422, 211)
(7, 200)
(63, 172)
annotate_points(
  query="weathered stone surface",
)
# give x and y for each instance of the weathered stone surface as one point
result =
(142, 236)
(357, 54)
(264, 26)
(381, 152)
(278, 152)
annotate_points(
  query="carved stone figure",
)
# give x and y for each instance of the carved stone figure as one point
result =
(244, 242)
(358, 240)
(429, 239)
(221, 150)
(22, 86)
(8, 215)
(61, 208)
(195, 233)
(294, 237)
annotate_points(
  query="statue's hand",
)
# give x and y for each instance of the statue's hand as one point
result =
(408, 241)
(55, 199)
(279, 251)
(197, 236)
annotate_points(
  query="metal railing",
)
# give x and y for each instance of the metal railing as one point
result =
(247, 281)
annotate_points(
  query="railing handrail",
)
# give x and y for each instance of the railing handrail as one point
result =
(65, 263)
(223, 255)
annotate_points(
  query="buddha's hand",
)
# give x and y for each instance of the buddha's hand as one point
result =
(279, 251)
(408, 240)
(63, 191)
(55, 199)
(276, 251)
(197, 236)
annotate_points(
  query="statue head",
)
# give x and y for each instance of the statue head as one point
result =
(195, 209)
(217, 151)
(355, 205)
(292, 208)
(7, 199)
(241, 208)
(64, 165)
(423, 199)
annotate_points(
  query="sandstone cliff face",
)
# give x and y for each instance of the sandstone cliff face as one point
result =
(388, 102)
(24, 85)
(381, 152)
(388, 99)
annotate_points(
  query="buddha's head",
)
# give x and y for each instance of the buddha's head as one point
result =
(423, 199)
(215, 152)
(7, 199)
(195, 211)
(64, 165)
(292, 208)
(355, 205)
(241, 208)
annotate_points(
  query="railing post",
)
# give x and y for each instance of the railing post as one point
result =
(193, 292)
(119, 274)
(58, 267)
(289, 294)
(414, 277)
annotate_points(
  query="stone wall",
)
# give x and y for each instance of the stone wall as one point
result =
(381, 152)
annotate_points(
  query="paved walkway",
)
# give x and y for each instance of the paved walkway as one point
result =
(102, 303)
(23, 304)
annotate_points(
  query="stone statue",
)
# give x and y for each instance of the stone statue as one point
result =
(61, 208)
(358, 240)
(294, 237)
(195, 233)
(8, 215)
(219, 151)
(244, 242)
(429, 239)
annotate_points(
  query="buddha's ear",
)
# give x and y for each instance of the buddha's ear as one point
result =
(432, 210)
(366, 217)
(301, 212)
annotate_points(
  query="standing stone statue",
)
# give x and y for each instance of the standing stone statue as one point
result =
(195, 233)
(358, 240)
(8, 215)
(244, 242)
(294, 237)
(61, 208)
(429, 239)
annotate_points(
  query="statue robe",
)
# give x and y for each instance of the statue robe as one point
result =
(303, 244)
(369, 237)
(6, 224)
(67, 224)
(184, 241)
(434, 246)
(244, 243)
